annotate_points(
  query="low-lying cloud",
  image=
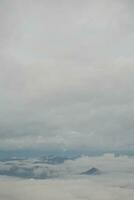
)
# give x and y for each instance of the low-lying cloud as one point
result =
(115, 183)
(108, 164)
(73, 189)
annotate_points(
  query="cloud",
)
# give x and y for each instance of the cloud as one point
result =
(68, 189)
(116, 181)
(108, 164)
(66, 74)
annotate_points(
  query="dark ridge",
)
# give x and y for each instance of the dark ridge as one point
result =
(92, 171)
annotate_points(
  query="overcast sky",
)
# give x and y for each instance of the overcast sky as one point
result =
(67, 74)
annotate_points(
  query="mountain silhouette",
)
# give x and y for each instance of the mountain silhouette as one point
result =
(92, 171)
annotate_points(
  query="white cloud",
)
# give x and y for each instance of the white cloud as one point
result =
(116, 181)
(66, 189)
(109, 165)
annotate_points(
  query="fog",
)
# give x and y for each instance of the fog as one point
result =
(90, 189)
(115, 182)
(108, 164)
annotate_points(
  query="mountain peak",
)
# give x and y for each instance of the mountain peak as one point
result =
(92, 171)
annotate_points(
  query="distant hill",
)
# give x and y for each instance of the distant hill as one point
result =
(92, 171)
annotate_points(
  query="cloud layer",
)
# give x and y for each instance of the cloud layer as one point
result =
(107, 164)
(115, 183)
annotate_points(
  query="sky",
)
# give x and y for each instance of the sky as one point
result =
(66, 74)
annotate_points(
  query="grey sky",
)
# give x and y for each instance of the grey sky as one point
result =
(66, 74)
